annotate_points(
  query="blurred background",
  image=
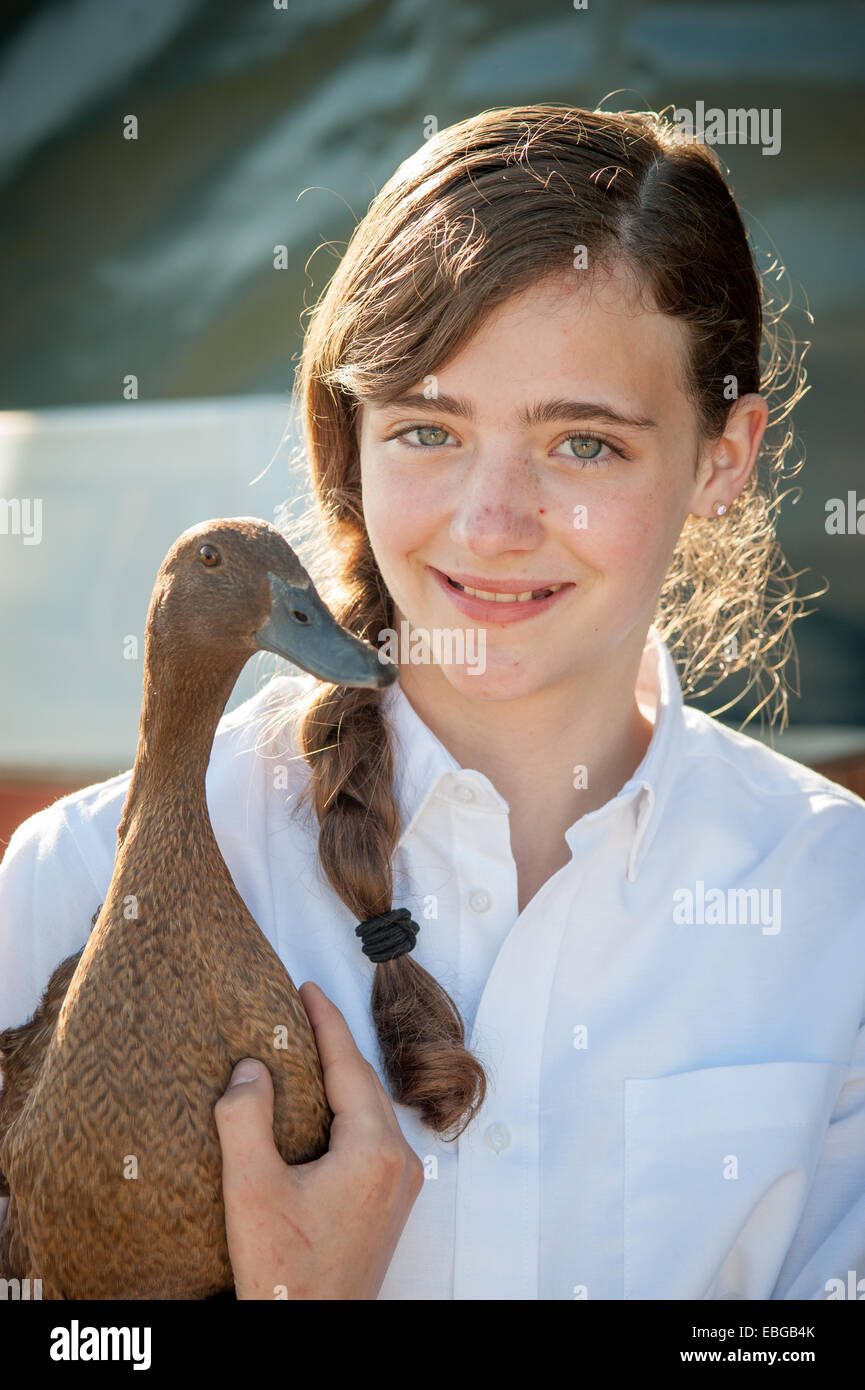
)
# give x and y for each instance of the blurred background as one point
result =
(263, 125)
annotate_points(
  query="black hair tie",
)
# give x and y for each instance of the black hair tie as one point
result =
(390, 935)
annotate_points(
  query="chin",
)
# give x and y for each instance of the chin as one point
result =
(494, 683)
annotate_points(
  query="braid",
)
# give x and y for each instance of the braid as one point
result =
(345, 739)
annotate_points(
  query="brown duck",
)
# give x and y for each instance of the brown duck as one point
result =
(108, 1145)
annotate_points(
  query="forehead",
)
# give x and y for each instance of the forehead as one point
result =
(592, 336)
(596, 331)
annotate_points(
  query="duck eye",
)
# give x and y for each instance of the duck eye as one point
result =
(210, 555)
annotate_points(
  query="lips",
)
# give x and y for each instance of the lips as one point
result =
(488, 585)
(508, 602)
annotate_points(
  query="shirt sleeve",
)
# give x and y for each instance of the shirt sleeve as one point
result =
(827, 1256)
(48, 894)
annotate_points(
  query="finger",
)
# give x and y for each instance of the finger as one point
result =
(244, 1120)
(356, 1096)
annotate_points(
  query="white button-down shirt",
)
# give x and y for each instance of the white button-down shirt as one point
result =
(672, 1027)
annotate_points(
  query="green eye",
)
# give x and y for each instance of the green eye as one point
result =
(592, 449)
(430, 429)
(587, 446)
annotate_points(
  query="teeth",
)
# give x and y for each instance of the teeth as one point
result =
(506, 598)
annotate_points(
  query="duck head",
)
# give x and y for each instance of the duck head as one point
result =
(232, 587)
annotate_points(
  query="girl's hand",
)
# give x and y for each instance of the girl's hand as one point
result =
(326, 1229)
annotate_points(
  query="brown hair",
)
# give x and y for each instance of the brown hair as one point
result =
(481, 211)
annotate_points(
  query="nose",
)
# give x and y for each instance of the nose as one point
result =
(499, 507)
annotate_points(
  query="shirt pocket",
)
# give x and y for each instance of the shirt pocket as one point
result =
(718, 1163)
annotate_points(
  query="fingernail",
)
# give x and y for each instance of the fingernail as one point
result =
(245, 1071)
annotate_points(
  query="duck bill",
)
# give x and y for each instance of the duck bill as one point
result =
(305, 632)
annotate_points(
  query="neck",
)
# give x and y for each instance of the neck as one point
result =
(529, 748)
(179, 715)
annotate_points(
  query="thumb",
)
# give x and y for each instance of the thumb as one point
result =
(244, 1121)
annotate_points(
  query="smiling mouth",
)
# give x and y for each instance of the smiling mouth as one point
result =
(504, 598)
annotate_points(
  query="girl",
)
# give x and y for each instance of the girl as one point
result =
(625, 1047)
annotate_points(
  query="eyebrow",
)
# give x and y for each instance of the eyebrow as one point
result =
(541, 413)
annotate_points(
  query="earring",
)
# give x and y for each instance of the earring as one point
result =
(719, 509)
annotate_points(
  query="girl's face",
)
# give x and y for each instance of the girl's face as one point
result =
(557, 448)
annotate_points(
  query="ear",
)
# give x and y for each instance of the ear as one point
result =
(727, 461)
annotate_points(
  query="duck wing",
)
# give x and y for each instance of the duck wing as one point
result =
(23, 1048)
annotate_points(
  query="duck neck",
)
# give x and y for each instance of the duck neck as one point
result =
(179, 715)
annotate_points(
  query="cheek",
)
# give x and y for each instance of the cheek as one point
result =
(624, 537)
(397, 520)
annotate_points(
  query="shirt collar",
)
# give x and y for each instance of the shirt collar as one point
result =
(423, 767)
(659, 695)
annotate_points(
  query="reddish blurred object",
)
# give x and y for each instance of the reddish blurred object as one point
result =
(21, 798)
(850, 772)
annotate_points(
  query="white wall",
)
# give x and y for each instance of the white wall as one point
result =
(117, 485)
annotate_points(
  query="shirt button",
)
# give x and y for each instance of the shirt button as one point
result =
(463, 792)
(497, 1137)
(479, 901)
